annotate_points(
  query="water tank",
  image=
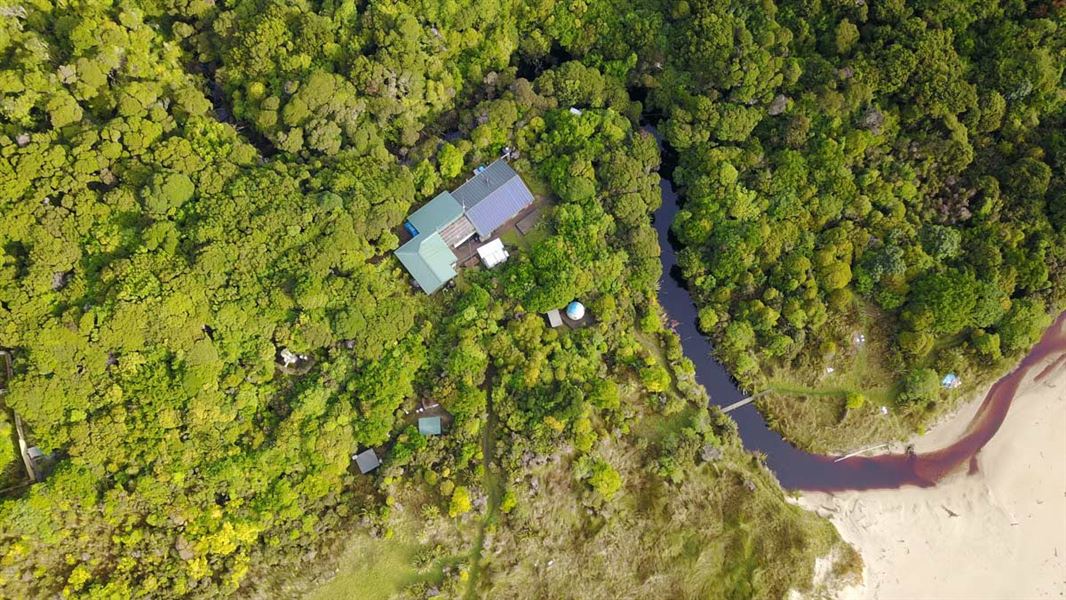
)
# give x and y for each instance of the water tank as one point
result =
(575, 311)
(410, 228)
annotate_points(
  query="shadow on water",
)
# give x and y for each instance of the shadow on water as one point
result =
(801, 470)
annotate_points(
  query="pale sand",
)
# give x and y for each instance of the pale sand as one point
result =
(1008, 540)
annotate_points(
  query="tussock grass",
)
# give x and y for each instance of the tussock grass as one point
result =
(809, 405)
(372, 569)
(727, 531)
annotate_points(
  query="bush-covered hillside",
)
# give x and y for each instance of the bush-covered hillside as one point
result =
(190, 188)
(890, 169)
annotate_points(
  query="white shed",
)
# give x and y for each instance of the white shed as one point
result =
(492, 253)
(554, 318)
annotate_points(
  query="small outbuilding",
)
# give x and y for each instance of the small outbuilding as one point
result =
(367, 461)
(554, 318)
(492, 253)
(430, 425)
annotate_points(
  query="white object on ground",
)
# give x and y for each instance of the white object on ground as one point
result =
(493, 253)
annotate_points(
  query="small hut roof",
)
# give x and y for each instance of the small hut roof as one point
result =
(367, 460)
(429, 425)
(554, 318)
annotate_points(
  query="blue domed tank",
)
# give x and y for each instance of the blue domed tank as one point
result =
(575, 311)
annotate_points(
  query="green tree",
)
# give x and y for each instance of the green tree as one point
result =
(460, 503)
(919, 387)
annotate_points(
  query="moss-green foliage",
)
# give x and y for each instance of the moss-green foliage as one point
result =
(838, 157)
(188, 188)
(151, 270)
(677, 527)
(8, 446)
(919, 386)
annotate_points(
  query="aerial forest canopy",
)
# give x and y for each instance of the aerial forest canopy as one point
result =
(884, 173)
(189, 188)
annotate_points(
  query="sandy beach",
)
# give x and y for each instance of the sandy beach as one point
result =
(994, 532)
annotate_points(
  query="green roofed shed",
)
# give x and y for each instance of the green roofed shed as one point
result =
(437, 214)
(429, 260)
(429, 425)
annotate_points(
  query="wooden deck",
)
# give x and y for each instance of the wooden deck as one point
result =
(529, 221)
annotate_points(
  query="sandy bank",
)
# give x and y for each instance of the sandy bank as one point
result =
(996, 532)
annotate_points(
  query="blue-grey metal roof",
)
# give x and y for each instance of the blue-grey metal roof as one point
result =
(367, 461)
(493, 196)
(436, 214)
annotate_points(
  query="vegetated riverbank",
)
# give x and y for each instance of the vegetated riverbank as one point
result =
(995, 530)
(796, 468)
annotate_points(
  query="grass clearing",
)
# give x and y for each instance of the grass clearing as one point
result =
(809, 404)
(512, 238)
(494, 485)
(373, 569)
(539, 232)
(655, 428)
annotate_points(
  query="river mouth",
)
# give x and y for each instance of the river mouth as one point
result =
(800, 470)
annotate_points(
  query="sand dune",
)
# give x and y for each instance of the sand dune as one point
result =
(995, 532)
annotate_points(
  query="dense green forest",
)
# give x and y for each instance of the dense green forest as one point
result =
(190, 187)
(887, 169)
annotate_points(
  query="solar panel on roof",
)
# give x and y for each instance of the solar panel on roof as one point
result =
(493, 197)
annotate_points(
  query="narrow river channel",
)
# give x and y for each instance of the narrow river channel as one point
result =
(800, 470)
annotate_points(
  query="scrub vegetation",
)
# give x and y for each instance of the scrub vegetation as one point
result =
(188, 188)
(891, 169)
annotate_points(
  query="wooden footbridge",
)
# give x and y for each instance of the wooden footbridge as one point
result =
(745, 401)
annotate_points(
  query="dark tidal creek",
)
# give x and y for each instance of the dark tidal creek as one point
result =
(800, 470)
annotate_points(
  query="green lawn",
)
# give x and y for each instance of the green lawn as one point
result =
(372, 569)
(515, 239)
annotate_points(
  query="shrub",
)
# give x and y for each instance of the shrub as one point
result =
(919, 387)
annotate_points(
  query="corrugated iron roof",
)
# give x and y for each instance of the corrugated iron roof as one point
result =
(367, 461)
(429, 425)
(436, 214)
(493, 196)
(429, 260)
(554, 318)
